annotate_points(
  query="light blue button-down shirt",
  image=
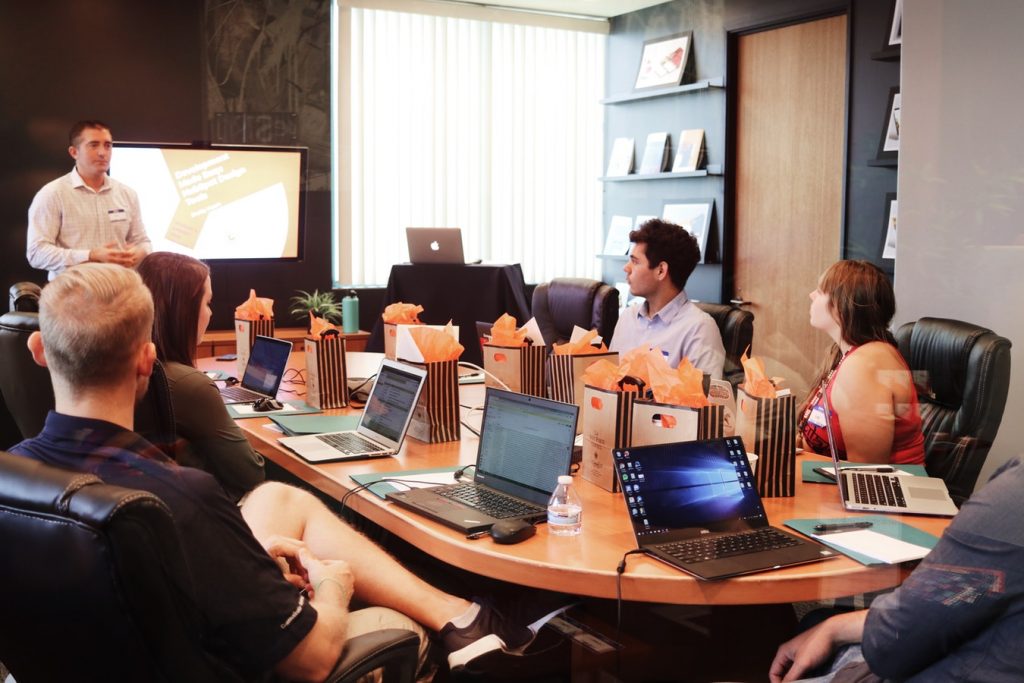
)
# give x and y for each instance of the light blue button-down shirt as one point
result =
(679, 329)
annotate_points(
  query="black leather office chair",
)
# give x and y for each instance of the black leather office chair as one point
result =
(962, 372)
(736, 326)
(564, 302)
(24, 296)
(94, 587)
(28, 394)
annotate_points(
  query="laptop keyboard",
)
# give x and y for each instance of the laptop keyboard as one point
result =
(350, 443)
(241, 394)
(717, 547)
(872, 490)
(489, 502)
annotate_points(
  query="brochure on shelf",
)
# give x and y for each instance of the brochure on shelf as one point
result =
(690, 152)
(621, 161)
(656, 154)
(617, 242)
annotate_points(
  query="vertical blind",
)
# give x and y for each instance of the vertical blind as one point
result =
(490, 127)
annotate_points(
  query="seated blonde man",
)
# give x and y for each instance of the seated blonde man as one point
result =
(273, 578)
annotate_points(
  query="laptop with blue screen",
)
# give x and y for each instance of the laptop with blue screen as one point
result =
(695, 506)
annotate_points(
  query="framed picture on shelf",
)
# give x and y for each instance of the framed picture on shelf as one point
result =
(889, 145)
(896, 25)
(694, 216)
(664, 61)
(889, 247)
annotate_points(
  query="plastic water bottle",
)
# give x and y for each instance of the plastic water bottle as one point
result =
(565, 512)
(350, 313)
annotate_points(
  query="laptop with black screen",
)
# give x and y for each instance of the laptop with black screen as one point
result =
(263, 373)
(382, 426)
(525, 444)
(695, 506)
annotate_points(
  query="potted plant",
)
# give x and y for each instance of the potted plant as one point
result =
(321, 304)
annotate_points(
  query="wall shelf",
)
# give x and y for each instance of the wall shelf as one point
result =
(712, 169)
(665, 92)
(889, 54)
(887, 163)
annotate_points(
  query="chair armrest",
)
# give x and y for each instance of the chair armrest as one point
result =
(394, 650)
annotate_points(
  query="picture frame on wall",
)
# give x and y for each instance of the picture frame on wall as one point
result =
(664, 62)
(889, 246)
(694, 216)
(896, 25)
(889, 145)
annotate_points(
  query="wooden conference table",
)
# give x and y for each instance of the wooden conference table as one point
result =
(583, 565)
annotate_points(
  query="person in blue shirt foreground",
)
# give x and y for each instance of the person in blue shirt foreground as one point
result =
(958, 617)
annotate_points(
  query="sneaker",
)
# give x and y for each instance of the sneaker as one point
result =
(489, 632)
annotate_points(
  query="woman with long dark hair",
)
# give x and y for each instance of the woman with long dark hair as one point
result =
(865, 386)
(181, 298)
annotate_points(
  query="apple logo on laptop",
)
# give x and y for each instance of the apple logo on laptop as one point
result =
(434, 246)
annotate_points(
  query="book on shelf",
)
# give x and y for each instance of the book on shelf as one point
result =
(621, 161)
(690, 154)
(617, 242)
(656, 154)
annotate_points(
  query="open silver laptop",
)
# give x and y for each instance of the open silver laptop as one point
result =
(435, 245)
(263, 373)
(525, 444)
(886, 492)
(382, 426)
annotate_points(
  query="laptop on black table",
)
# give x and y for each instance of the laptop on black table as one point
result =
(695, 506)
(525, 444)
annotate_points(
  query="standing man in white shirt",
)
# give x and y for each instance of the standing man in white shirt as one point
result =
(86, 215)
(663, 257)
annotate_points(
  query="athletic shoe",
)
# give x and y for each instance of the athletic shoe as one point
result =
(489, 632)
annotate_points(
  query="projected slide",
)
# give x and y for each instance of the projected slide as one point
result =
(216, 203)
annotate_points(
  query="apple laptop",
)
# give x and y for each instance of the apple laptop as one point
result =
(435, 245)
(382, 427)
(525, 444)
(263, 373)
(865, 491)
(694, 505)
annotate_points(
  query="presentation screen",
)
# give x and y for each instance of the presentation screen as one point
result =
(218, 201)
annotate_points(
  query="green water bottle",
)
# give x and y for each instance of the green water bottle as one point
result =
(350, 313)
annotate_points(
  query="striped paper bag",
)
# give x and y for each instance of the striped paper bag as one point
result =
(436, 417)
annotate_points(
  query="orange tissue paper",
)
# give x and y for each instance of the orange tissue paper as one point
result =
(436, 345)
(684, 386)
(319, 326)
(402, 314)
(603, 374)
(504, 332)
(581, 347)
(255, 308)
(756, 382)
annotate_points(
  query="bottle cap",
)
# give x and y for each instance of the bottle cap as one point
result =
(565, 479)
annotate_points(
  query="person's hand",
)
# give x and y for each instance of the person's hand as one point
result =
(286, 552)
(815, 646)
(112, 253)
(334, 573)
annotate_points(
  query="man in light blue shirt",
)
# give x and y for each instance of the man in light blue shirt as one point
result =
(663, 257)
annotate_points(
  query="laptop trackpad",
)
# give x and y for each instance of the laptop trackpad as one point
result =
(926, 493)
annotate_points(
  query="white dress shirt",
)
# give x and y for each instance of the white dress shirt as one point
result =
(67, 218)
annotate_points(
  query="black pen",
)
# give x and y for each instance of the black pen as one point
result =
(841, 527)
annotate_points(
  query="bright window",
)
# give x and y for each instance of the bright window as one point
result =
(491, 127)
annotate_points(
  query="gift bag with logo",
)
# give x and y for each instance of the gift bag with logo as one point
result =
(607, 418)
(394, 315)
(326, 376)
(521, 368)
(566, 374)
(658, 423)
(436, 417)
(768, 428)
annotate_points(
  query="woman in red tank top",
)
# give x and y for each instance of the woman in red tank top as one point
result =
(865, 386)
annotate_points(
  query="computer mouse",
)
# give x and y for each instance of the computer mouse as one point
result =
(509, 531)
(265, 405)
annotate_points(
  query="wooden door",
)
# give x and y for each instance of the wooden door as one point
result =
(790, 122)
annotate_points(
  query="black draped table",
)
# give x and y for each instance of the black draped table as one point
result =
(463, 294)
